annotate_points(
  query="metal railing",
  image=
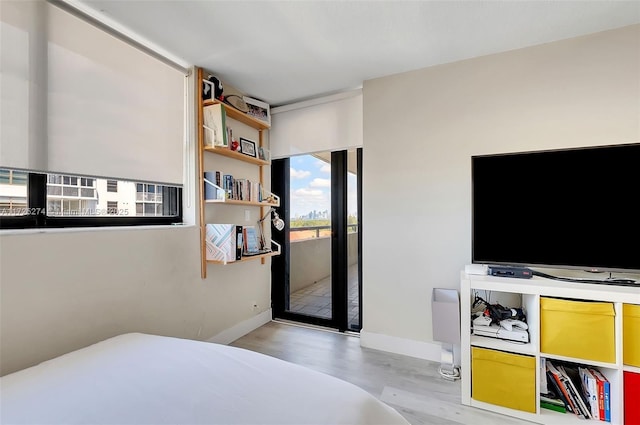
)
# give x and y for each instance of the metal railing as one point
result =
(351, 228)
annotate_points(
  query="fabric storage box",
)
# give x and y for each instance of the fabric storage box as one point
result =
(631, 335)
(631, 397)
(503, 379)
(579, 329)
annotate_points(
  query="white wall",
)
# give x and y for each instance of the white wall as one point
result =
(64, 290)
(420, 130)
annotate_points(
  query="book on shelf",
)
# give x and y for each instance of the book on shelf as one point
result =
(212, 188)
(575, 389)
(556, 376)
(215, 128)
(238, 189)
(585, 391)
(543, 376)
(590, 387)
(251, 244)
(604, 395)
(556, 392)
(227, 185)
(552, 404)
(221, 242)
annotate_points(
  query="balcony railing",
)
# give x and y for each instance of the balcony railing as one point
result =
(317, 231)
(311, 255)
(149, 197)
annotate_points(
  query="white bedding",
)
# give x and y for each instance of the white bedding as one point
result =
(146, 379)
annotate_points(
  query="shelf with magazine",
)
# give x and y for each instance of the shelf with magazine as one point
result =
(231, 244)
(233, 141)
(571, 326)
(580, 389)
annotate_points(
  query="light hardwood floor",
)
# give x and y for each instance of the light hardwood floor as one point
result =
(412, 386)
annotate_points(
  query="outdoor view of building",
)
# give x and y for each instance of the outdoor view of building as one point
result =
(310, 187)
(82, 196)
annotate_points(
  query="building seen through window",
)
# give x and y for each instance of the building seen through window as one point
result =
(77, 196)
(13, 192)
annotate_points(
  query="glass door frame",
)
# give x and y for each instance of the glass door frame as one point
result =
(280, 265)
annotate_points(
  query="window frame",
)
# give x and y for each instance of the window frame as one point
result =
(37, 202)
(112, 184)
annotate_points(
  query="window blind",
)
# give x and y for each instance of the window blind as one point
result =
(95, 105)
(325, 124)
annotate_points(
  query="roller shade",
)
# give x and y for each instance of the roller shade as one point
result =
(325, 124)
(23, 85)
(109, 109)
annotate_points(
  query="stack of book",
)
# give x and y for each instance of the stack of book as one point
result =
(581, 390)
(224, 186)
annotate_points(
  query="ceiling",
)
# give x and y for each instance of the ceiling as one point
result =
(286, 51)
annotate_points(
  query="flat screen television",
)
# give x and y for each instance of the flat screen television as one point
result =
(570, 208)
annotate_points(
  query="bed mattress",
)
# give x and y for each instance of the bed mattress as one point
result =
(146, 379)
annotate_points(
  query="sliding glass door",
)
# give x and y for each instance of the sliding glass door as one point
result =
(317, 278)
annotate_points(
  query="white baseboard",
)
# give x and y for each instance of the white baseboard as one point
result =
(407, 347)
(241, 329)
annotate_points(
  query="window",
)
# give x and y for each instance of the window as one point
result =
(150, 199)
(13, 193)
(75, 143)
(112, 207)
(112, 186)
(13, 177)
(58, 200)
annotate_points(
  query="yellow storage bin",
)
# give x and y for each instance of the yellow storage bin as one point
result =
(580, 329)
(503, 379)
(631, 334)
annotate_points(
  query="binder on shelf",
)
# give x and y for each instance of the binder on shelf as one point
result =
(239, 242)
(215, 128)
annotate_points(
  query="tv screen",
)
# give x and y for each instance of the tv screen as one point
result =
(572, 208)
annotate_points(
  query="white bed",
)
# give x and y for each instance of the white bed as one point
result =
(146, 379)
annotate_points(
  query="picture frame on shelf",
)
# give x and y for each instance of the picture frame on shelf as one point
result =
(263, 153)
(248, 147)
(258, 109)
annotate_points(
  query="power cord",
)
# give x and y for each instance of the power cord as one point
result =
(609, 281)
(451, 376)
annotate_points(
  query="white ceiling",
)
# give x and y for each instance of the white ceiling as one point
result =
(285, 51)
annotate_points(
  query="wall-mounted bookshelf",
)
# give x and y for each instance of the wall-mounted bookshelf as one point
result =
(216, 122)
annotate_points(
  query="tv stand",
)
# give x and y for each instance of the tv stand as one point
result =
(530, 295)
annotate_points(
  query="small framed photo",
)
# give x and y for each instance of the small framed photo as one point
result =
(248, 147)
(258, 109)
(263, 153)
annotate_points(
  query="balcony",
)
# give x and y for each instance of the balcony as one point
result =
(149, 197)
(310, 273)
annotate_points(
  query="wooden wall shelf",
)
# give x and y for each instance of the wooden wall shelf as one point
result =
(238, 115)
